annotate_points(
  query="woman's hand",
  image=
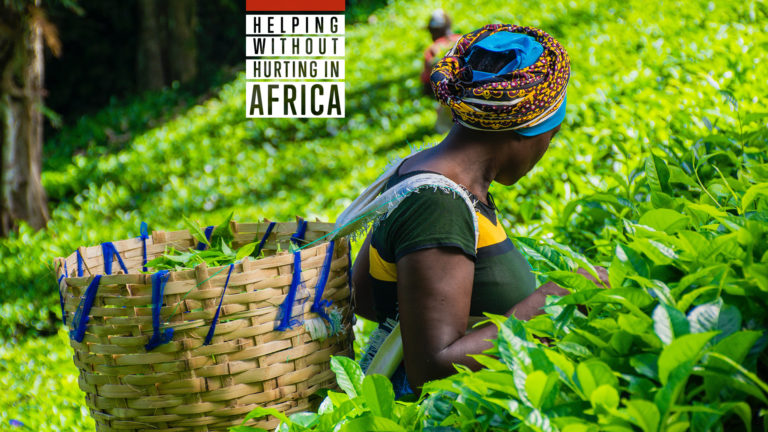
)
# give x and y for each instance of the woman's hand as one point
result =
(601, 272)
(533, 304)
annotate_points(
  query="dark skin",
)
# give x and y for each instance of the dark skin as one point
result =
(434, 286)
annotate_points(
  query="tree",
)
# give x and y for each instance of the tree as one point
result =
(182, 42)
(149, 62)
(22, 28)
(167, 49)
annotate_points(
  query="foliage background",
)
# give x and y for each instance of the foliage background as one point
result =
(644, 74)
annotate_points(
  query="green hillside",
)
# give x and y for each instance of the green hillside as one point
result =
(673, 79)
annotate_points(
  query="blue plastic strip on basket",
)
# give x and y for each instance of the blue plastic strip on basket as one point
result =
(144, 235)
(79, 263)
(298, 237)
(109, 251)
(285, 321)
(209, 336)
(159, 279)
(61, 296)
(208, 232)
(61, 302)
(264, 239)
(84, 309)
(319, 305)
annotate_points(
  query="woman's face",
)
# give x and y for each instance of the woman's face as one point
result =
(524, 157)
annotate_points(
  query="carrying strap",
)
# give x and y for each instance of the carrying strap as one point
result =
(285, 320)
(211, 330)
(389, 356)
(84, 309)
(158, 338)
(208, 232)
(109, 251)
(390, 352)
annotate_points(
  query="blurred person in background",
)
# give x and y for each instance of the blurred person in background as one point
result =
(443, 39)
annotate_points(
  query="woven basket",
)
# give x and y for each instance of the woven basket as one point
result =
(184, 385)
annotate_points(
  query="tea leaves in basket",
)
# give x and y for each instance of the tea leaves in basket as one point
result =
(218, 251)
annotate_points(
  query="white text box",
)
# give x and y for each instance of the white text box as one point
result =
(294, 24)
(294, 46)
(277, 69)
(294, 99)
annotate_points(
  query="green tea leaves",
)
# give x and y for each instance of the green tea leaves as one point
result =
(685, 349)
(715, 316)
(665, 220)
(644, 414)
(223, 231)
(669, 323)
(196, 231)
(379, 396)
(657, 173)
(348, 375)
(592, 374)
(245, 250)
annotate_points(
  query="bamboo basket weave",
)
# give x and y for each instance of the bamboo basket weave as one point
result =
(184, 385)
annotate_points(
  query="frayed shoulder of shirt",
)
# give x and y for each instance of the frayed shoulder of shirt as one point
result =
(369, 210)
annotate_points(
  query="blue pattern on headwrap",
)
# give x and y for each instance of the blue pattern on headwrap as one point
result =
(523, 51)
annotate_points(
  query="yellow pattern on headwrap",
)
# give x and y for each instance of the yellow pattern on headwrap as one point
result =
(520, 99)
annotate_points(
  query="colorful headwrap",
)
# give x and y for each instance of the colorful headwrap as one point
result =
(527, 94)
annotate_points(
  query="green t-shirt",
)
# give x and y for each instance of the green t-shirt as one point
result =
(432, 218)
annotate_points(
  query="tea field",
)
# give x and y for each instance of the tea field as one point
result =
(659, 174)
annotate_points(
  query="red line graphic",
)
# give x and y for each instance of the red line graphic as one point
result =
(295, 5)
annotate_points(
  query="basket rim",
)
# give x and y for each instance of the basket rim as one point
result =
(143, 277)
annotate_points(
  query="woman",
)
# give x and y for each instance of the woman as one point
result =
(434, 261)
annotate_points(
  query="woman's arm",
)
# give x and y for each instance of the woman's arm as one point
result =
(434, 293)
(362, 287)
(434, 289)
